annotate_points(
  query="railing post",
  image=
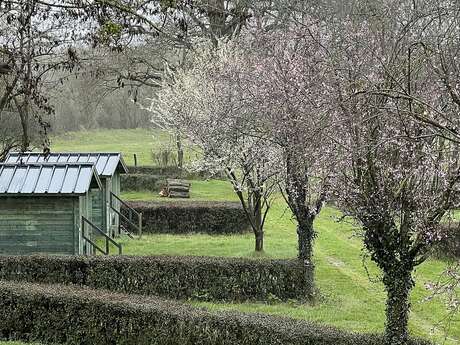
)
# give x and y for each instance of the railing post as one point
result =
(83, 244)
(107, 246)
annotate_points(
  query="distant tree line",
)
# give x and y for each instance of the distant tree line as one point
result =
(84, 102)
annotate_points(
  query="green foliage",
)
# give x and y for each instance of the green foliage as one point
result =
(448, 245)
(109, 31)
(71, 315)
(166, 4)
(205, 278)
(140, 182)
(181, 217)
(166, 172)
(170, 171)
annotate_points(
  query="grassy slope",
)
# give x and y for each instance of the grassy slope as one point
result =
(348, 298)
(128, 141)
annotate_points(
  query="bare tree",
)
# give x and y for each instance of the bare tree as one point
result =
(36, 42)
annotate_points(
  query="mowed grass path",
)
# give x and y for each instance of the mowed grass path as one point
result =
(348, 298)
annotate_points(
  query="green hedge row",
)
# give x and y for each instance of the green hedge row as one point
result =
(181, 217)
(140, 182)
(169, 172)
(203, 278)
(70, 315)
(448, 244)
(172, 171)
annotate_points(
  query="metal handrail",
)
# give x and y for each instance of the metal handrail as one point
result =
(107, 238)
(131, 210)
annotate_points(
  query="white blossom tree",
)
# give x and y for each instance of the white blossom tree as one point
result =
(201, 102)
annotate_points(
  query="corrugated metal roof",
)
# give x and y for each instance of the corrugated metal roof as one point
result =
(48, 178)
(106, 163)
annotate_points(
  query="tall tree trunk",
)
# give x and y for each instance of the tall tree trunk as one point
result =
(398, 286)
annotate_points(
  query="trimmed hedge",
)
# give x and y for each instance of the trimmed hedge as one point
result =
(448, 246)
(203, 278)
(65, 315)
(181, 217)
(170, 172)
(140, 182)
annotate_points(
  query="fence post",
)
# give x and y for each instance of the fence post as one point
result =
(135, 160)
(140, 225)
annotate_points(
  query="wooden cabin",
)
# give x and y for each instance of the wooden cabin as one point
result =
(46, 208)
(105, 202)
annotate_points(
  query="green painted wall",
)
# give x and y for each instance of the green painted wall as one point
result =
(99, 208)
(115, 185)
(38, 225)
(103, 217)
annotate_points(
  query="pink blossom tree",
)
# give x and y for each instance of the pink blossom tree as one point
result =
(397, 175)
(287, 81)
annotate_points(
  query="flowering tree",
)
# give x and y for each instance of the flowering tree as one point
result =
(397, 175)
(287, 87)
(201, 102)
(439, 47)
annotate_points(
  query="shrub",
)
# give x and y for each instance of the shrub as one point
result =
(187, 217)
(70, 315)
(448, 245)
(204, 278)
(171, 171)
(140, 182)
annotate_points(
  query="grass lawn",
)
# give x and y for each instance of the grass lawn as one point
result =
(348, 298)
(127, 141)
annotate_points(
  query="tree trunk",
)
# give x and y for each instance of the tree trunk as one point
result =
(398, 286)
(258, 227)
(260, 242)
(305, 237)
(180, 152)
(25, 142)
